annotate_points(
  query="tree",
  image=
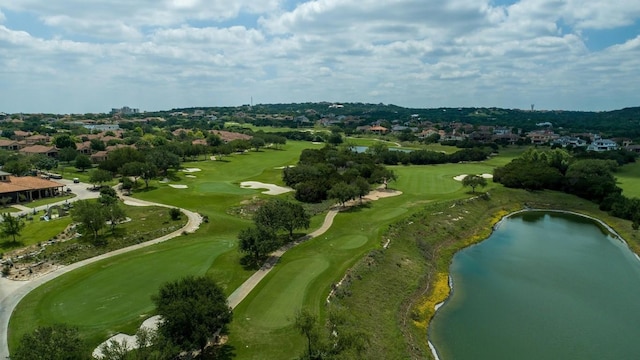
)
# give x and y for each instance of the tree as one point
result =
(43, 162)
(56, 342)
(11, 226)
(97, 145)
(83, 162)
(67, 154)
(90, 215)
(99, 176)
(335, 139)
(114, 214)
(149, 171)
(257, 142)
(278, 214)
(363, 187)
(474, 181)
(163, 159)
(342, 192)
(127, 184)
(307, 325)
(64, 141)
(192, 310)
(17, 167)
(257, 242)
(214, 140)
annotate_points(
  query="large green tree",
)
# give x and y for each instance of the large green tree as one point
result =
(279, 214)
(98, 177)
(192, 310)
(83, 162)
(56, 342)
(64, 141)
(11, 226)
(343, 192)
(257, 242)
(91, 215)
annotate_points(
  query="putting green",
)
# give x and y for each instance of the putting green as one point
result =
(223, 187)
(349, 242)
(284, 293)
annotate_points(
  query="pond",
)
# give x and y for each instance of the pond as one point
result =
(545, 285)
(361, 149)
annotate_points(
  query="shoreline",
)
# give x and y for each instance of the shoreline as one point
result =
(610, 230)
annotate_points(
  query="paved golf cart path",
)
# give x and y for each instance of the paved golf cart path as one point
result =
(11, 292)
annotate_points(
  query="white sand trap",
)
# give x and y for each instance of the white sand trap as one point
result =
(282, 167)
(189, 170)
(213, 158)
(129, 341)
(190, 176)
(271, 188)
(462, 176)
(178, 186)
(317, 143)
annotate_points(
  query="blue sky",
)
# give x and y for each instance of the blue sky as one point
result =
(77, 56)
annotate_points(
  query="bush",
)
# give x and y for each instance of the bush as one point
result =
(174, 213)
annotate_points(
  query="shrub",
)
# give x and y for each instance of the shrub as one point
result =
(174, 213)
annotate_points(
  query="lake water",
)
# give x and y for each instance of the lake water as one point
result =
(543, 286)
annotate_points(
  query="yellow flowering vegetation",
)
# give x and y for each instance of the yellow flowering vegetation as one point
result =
(440, 292)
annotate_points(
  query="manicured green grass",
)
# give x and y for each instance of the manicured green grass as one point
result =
(36, 231)
(628, 178)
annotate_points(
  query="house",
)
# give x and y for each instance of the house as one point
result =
(542, 136)
(99, 156)
(102, 127)
(27, 188)
(378, 129)
(20, 135)
(602, 145)
(50, 151)
(37, 139)
(565, 141)
(84, 147)
(9, 145)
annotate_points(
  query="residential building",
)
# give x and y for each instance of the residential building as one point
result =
(602, 145)
(50, 151)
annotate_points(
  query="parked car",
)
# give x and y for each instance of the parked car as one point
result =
(76, 180)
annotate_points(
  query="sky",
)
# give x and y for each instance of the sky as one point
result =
(80, 56)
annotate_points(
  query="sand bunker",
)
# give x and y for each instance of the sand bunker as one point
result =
(462, 176)
(271, 188)
(190, 176)
(189, 170)
(282, 167)
(178, 186)
(130, 342)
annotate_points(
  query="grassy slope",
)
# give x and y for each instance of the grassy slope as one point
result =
(628, 177)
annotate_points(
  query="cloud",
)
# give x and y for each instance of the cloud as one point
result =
(162, 54)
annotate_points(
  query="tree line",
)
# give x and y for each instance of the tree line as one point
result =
(589, 178)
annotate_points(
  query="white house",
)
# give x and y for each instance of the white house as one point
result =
(602, 145)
